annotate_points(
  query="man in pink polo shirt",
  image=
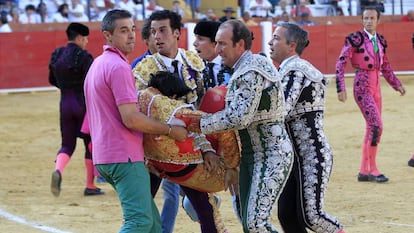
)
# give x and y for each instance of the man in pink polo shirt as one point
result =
(117, 126)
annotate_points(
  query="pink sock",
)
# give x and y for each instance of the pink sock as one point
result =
(62, 159)
(341, 231)
(373, 160)
(89, 174)
(90, 147)
(365, 159)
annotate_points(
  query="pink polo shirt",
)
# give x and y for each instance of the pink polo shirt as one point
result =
(108, 84)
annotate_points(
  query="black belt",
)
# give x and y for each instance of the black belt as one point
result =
(182, 172)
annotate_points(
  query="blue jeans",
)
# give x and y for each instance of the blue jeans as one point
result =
(132, 184)
(189, 209)
(170, 207)
(193, 3)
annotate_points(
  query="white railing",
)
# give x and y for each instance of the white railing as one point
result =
(406, 6)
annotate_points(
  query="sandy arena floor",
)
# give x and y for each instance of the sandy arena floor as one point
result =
(30, 137)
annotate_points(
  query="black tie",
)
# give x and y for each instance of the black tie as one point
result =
(230, 70)
(175, 65)
(210, 80)
(224, 75)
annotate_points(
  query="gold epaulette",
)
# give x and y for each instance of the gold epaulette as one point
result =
(143, 70)
(194, 61)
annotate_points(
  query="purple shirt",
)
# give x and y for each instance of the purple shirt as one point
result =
(110, 83)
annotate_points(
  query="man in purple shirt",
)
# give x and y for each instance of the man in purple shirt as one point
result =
(117, 126)
(67, 71)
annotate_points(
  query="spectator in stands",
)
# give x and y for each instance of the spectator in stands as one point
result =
(259, 8)
(285, 17)
(176, 7)
(281, 8)
(129, 5)
(14, 14)
(41, 10)
(77, 12)
(52, 6)
(409, 17)
(4, 25)
(62, 15)
(99, 8)
(210, 16)
(376, 3)
(246, 19)
(228, 14)
(6, 5)
(194, 5)
(305, 20)
(199, 15)
(297, 11)
(274, 3)
(23, 3)
(30, 15)
(335, 7)
(152, 6)
(140, 6)
(343, 7)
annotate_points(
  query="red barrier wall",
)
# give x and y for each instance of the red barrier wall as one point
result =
(327, 41)
(24, 56)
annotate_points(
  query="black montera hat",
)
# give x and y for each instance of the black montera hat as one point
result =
(77, 28)
(228, 9)
(207, 29)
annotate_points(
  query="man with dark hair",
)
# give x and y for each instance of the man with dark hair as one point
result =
(67, 71)
(378, 4)
(149, 42)
(117, 127)
(366, 50)
(300, 206)
(255, 107)
(170, 190)
(214, 74)
(4, 25)
(30, 16)
(228, 14)
(169, 85)
(204, 44)
(166, 30)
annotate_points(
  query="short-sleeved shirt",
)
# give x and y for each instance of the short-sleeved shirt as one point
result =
(110, 83)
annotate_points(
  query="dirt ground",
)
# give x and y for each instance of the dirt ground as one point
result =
(29, 139)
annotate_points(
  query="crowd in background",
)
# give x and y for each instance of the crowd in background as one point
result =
(58, 11)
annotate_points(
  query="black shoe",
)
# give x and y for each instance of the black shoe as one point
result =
(92, 192)
(379, 179)
(56, 182)
(411, 162)
(363, 177)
